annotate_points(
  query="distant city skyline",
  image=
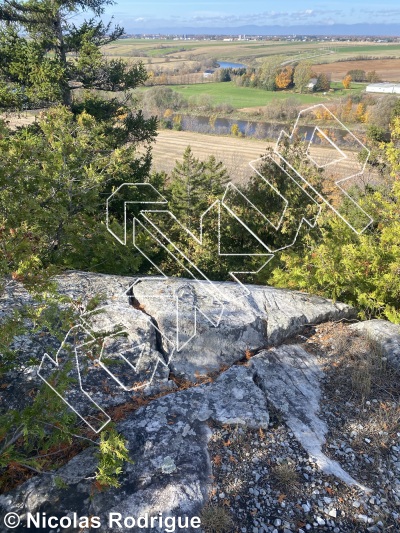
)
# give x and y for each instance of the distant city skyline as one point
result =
(176, 14)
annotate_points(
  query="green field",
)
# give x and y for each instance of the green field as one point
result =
(160, 52)
(362, 49)
(239, 97)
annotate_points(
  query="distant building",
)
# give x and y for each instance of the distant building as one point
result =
(311, 84)
(208, 73)
(387, 88)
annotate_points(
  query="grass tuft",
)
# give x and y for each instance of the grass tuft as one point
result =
(215, 519)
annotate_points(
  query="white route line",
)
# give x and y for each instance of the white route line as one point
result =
(337, 183)
(56, 363)
(212, 291)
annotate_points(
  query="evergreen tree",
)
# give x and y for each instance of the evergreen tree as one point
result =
(61, 171)
(44, 55)
(194, 186)
(55, 176)
(188, 194)
(259, 201)
(362, 270)
(64, 167)
(215, 177)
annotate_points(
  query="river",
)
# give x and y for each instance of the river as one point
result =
(224, 64)
(261, 130)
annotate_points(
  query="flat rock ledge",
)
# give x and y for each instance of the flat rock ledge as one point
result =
(167, 441)
(235, 334)
(229, 321)
(171, 469)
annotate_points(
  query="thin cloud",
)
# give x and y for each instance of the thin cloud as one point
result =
(378, 12)
(261, 18)
(307, 16)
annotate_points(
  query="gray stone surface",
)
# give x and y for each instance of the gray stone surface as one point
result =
(265, 316)
(167, 441)
(108, 368)
(290, 378)
(42, 493)
(249, 322)
(386, 334)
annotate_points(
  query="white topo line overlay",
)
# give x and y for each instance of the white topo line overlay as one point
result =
(151, 197)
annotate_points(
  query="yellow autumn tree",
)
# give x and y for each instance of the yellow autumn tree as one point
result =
(347, 111)
(392, 150)
(360, 113)
(321, 113)
(235, 130)
(284, 78)
(347, 81)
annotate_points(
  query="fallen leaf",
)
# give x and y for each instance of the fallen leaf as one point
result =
(217, 460)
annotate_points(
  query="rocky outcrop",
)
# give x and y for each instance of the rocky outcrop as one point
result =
(188, 327)
(290, 378)
(167, 441)
(138, 327)
(221, 319)
(386, 334)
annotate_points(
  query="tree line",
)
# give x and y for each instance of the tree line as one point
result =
(277, 74)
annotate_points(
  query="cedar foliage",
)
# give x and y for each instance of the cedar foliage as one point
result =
(55, 176)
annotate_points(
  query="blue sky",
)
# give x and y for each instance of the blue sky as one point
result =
(224, 13)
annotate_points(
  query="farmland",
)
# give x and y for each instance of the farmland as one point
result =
(167, 54)
(335, 58)
(247, 97)
(235, 153)
(386, 69)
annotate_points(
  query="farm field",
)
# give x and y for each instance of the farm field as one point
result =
(249, 97)
(167, 54)
(235, 153)
(387, 69)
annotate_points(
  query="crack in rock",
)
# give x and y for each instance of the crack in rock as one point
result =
(158, 343)
(289, 377)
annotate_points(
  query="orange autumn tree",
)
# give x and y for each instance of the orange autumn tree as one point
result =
(284, 78)
(347, 81)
